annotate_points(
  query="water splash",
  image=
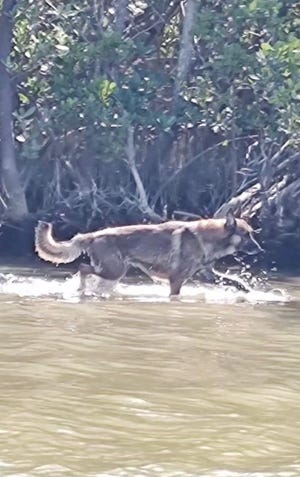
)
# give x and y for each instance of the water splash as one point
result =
(158, 470)
(68, 289)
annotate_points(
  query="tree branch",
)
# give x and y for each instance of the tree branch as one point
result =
(194, 159)
(186, 47)
(17, 206)
(142, 196)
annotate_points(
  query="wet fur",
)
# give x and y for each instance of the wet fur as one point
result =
(172, 251)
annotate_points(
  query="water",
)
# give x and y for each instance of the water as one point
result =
(138, 385)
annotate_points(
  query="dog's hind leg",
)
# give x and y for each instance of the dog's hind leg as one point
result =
(84, 271)
(110, 271)
(107, 276)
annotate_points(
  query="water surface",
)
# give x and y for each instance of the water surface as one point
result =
(138, 385)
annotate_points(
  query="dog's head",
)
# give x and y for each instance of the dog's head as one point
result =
(240, 236)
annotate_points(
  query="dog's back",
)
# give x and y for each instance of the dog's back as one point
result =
(175, 250)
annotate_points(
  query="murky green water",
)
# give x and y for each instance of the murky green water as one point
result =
(139, 386)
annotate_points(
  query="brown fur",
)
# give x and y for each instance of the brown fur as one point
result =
(172, 251)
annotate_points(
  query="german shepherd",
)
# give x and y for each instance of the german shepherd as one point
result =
(173, 250)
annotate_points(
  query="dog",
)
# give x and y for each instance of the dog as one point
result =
(172, 250)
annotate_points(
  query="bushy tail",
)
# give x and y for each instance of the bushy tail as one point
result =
(53, 251)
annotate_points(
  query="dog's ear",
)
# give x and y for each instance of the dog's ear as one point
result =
(230, 224)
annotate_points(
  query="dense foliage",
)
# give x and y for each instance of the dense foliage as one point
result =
(124, 110)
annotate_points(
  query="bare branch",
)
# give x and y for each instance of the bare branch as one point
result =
(187, 215)
(142, 196)
(194, 159)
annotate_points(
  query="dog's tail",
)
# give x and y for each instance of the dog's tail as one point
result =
(53, 251)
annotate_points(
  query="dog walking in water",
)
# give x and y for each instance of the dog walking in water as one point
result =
(173, 250)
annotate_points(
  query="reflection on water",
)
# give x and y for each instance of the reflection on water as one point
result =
(137, 385)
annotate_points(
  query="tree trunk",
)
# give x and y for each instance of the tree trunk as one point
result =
(16, 201)
(186, 47)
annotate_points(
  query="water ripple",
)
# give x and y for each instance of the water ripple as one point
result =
(124, 387)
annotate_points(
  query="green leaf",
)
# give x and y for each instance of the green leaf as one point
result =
(253, 6)
(23, 98)
(266, 48)
(107, 88)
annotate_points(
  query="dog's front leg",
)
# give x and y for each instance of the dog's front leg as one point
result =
(175, 285)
